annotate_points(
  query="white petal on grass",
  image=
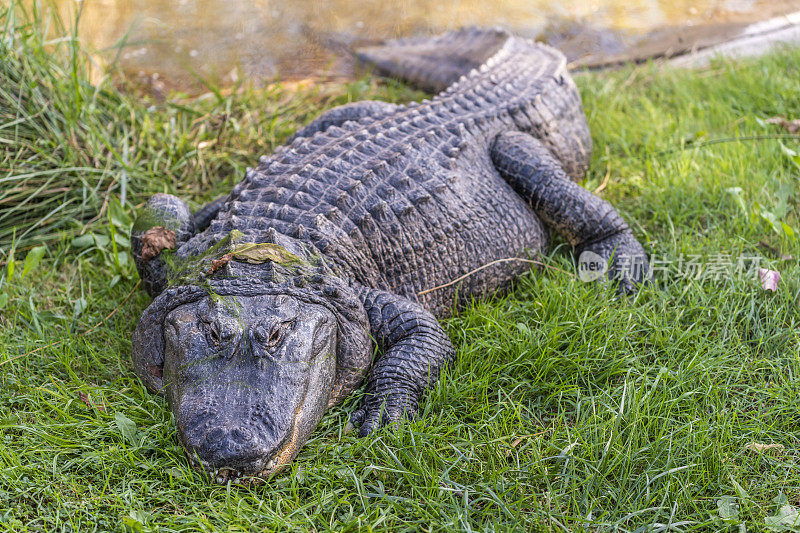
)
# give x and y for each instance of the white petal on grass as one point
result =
(769, 279)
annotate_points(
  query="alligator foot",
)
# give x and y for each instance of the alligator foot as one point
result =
(385, 408)
(165, 223)
(622, 258)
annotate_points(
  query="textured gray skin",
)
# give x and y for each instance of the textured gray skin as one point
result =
(380, 202)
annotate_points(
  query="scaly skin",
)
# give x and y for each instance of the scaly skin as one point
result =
(364, 210)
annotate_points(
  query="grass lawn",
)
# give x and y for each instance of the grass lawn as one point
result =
(568, 409)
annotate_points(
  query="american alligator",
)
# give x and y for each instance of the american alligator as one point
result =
(272, 300)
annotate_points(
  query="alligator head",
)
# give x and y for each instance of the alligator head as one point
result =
(250, 378)
(249, 369)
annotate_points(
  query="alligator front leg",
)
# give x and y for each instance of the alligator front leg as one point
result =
(586, 221)
(165, 223)
(415, 350)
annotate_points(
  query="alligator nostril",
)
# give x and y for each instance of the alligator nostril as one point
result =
(228, 444)
(242, 434)
(214, 440)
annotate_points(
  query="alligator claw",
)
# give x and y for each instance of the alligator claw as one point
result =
(383, 410)
(625, 259)
(357, 418)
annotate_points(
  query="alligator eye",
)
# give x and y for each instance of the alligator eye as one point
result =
(213, 333)
(275, 337)
(173, 326)
(261, 334)
(270, 335)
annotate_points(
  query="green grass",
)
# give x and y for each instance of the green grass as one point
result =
(67, 146)
(567, 409)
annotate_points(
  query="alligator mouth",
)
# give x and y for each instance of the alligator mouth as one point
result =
(224, 475)
(274, 463)
(274, 466)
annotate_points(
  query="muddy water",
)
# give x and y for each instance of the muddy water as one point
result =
(261, 39)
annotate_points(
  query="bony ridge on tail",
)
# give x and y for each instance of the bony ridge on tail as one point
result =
(268, 309)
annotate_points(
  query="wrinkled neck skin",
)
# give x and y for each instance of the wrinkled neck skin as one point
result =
(251, 360)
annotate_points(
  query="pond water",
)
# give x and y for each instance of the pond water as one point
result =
(261, 39)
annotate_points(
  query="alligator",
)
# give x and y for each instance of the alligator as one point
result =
(352, 240)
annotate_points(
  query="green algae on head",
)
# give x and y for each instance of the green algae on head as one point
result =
(195, 269)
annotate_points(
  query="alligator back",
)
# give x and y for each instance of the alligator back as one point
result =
(411, 201)
(511, 73)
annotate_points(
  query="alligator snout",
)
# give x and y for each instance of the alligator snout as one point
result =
(218, 439)
(235, 448)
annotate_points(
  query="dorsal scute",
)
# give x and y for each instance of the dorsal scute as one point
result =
(518, 61)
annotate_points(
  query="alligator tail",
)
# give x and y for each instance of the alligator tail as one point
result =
(433, 63)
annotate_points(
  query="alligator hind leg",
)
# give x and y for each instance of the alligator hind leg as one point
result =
(165, 223)
(589, 223)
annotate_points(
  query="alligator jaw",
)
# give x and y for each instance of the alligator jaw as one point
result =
(279, 461)
(305, 420)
